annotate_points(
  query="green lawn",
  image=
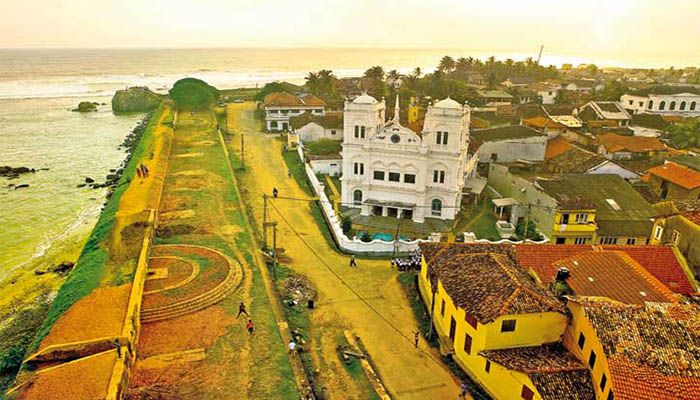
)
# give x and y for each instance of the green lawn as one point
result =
(323, 147)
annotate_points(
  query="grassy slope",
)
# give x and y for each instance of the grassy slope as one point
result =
(91, 263)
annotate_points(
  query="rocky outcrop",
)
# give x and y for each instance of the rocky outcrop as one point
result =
(14, 172)
(86, 106)
(135, 99)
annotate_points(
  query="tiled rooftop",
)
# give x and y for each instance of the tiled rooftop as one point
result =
(660, 261)
(555, 372)
(486, 284)
(653, 351)
(612, 274)
(682, 176)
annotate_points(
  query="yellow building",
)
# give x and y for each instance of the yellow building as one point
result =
(498, 325)
(637, 351)
(413, 110)
(575, 224)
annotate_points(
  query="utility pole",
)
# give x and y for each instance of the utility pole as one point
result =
(396, 238)
(264, 221)
(274, 251)
(243, 151)
(527, 222)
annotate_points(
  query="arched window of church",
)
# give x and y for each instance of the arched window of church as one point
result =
(436, 208)
(651, 104)
(692, 106)
(682, 107)
(662, 105)
(672, 106)
(357, 197)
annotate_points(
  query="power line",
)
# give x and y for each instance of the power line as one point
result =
(347, 285)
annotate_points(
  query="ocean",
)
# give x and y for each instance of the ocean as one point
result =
(38, 88)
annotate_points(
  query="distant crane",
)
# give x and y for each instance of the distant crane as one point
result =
(540, 56)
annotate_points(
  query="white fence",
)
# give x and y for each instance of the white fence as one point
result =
(354, 245)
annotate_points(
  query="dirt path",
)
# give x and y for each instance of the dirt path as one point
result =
(408, 373)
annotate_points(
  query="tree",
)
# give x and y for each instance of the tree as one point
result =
(416, 73)
(193, 94)
(447, 65)
(612, 91)
(376, 73)
(374, 82)
(686, 134)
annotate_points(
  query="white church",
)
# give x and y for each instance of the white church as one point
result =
(390, 170)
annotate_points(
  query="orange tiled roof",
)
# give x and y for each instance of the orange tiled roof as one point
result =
(652, 350)
(555, 147)
(284, 99)
(678, 174)
(486, 284)
(660, 261)
(542, 122)
(612, 274)
(635, 144)
(693, 216)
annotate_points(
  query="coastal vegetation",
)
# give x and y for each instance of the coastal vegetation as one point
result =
(86, 106)
(135, 99)
(684, 134)
(193, 94)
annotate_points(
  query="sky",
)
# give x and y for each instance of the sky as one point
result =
(634, 28)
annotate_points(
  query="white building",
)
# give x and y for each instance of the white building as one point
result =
(281, 106)
(311, 128)
(604, 110)
(663, 100)
(390, 170)
(508, 144)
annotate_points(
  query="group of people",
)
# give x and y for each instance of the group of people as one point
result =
(407, 263)
(249, 325)
(142, 171)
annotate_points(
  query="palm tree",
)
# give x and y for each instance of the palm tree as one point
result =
(313, 82)
(685, 135)
(447, 64)
(463, 65)
(376, 73)
(416, 73)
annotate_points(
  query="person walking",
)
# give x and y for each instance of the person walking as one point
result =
(250, 327)
(242, 310)
(463, 390)
(416, 337)
(353, 263)
(292, 346)
(118, 346)
(275, 192)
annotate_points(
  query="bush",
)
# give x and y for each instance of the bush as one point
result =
(193, 94)
(532, 233)
(365, 237)
(346, 224)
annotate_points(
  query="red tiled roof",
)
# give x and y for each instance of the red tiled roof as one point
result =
(613, 274)
(555, 147)
(542, 122)
(693, 216)
(652, 350)
(284, 99)
(635, 144)
(660, 261)
(678, 174)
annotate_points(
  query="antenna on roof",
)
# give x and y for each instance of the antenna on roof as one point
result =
(539, 57)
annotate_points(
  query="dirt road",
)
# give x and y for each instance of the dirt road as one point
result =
(384, 320)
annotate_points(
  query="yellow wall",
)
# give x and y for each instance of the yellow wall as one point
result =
(572, 230)
(413, 110)
(579, 324)
(531, 330)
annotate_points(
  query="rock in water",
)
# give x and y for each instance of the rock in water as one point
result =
(89, 180)
(135, 99)
(86, 106)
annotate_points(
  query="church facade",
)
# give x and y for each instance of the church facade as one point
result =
(390, 170)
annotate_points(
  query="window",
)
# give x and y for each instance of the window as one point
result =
(438, 176)
(273, 124)
(591, 359)
(359, 168)
(641, 104)
(360, 132)
(379, 175)
(394, 177)
(527, 393)
(682, 107)
(658, 232)
(409, 178)
(471, 320)
(580, 240)
(442, 308)
(631, 241)
(487, 367)
(467, 344)
(581, 340)
(441, 137)
(651, 104)
(608, 240)
(564, 219)
(561, 240)
(357, 197)
(436, 207)
(692, 106)
(581, 218)
(631, 102)
(672, 106)
(494, 157)
(603, 382)
(508, 325)
(662, 105)
(333, 132)
(675, 236)
(274, 112)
